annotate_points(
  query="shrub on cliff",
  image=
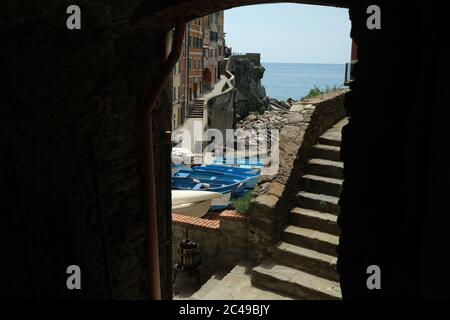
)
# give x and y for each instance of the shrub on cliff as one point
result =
(316, 91)
(243, 203)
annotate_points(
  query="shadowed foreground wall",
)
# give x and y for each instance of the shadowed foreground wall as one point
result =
(395, 207)
(60, 87)
(63, 85)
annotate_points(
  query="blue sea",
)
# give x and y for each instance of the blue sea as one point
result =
(284, 80)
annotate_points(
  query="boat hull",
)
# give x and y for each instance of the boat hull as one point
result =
(195, 203)
(193, 209)
(217, 182)
(249, 179)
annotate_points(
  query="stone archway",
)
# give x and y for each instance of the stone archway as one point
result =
(69, 90)
(107, 90)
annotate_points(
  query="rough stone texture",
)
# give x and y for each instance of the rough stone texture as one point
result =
(63, 88)
(221, 247)
(236, 285)
(250, 94)
(220, 111)
(209, 240)
(410, 218)
(299, 133)
(233, 242)
(295, 282)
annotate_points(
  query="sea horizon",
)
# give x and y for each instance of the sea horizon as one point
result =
(283, 80)
(262, 62)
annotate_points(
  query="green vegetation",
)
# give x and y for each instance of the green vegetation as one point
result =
(316, 91)
(243, 203)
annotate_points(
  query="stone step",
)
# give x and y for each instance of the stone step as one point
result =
(315, 220)
(319, 202)
(325, 168)
(326, 152)
(236, 285)
(311, 261)
(295, 282)
(322, 185)
(310, 239)
(330, 140)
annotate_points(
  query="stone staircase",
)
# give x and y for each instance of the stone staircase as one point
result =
(234, 285)
(303, 264)
(196, 110)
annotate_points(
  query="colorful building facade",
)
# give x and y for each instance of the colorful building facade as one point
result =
(200, 63)
(195, 58)
(213, 44)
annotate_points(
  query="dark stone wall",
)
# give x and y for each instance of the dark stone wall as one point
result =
(394, 205)
(63, 90)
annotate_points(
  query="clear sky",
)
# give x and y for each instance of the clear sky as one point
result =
(287, 32)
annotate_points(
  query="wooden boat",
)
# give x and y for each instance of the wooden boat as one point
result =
(193, 203)
(249, 176)
(224, 179)
(227, 169)
(226, 190)
(249, 163)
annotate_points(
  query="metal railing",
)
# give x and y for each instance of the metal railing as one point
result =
(348, 72)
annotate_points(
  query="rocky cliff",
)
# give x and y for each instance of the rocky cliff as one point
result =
(250, 94)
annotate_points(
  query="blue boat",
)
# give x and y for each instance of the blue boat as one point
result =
(240, 162)
(176, 167)
(250, 175)
(187, 183)
(228, 169)
(220, 178)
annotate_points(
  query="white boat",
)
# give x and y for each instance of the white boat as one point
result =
(193, 203)
(181, 155)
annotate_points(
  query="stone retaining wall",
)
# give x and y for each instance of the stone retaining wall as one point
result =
(306, 121)
(223, 241)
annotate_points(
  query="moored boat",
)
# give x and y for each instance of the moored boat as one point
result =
(225, 189)
(249, 163)
(193, 203)
(250, 176)
(215, 177)
(227, 169)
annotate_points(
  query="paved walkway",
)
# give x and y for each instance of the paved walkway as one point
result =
(194, 126)
(236, 285)
(216, 90)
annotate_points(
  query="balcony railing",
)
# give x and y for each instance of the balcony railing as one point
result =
(348, 72)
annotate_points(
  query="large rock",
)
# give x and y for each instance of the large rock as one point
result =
(251, 95)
